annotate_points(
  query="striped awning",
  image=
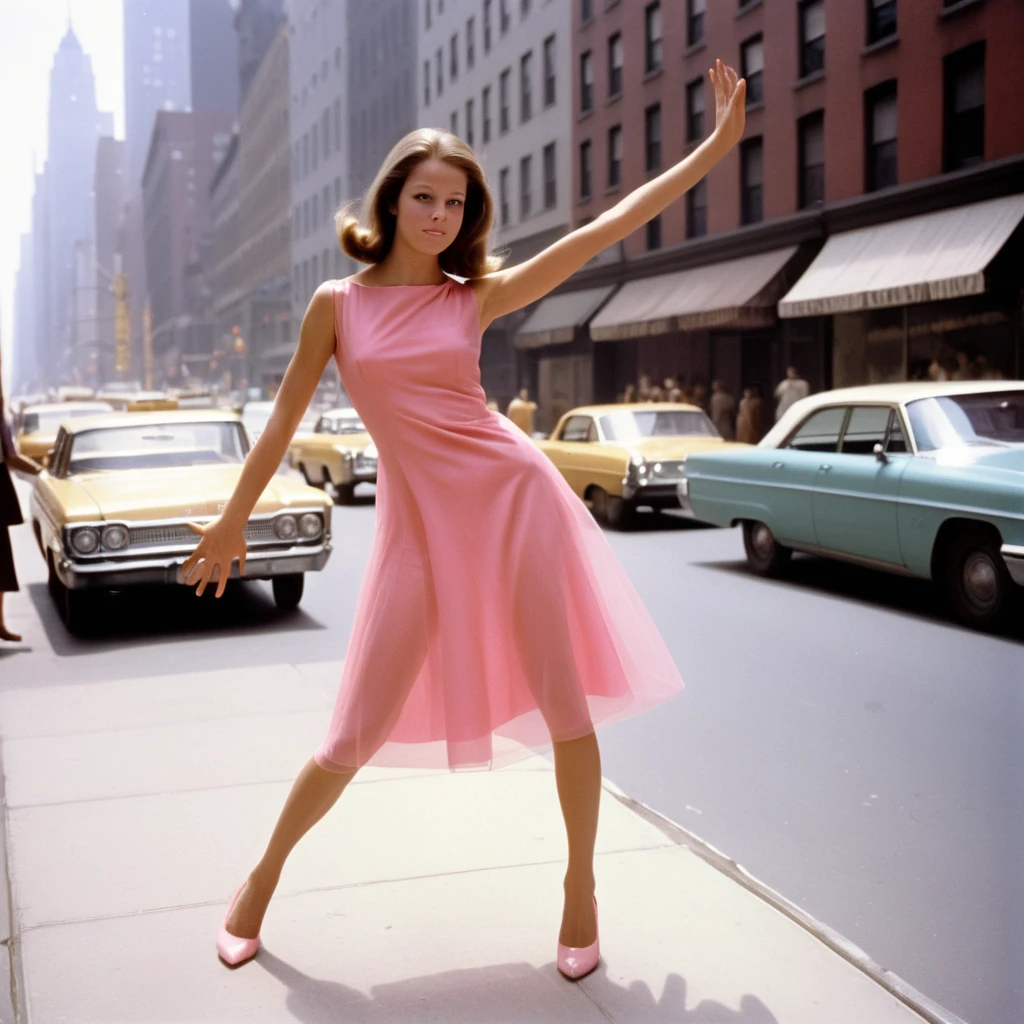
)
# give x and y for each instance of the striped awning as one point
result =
(556, 317)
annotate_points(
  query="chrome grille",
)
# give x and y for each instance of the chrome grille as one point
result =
(180, 534)
(667, 469)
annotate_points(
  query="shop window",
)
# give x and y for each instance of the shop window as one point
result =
(880, 124)
(881, 19)
(652, 38)
(752, 63)
(812, 37)
(695, 11)
(752, 180)
(963, 129)
(695, 107)
(697, 210)
(811, 144)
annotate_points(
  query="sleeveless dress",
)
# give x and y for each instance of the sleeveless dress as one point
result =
(493, 616)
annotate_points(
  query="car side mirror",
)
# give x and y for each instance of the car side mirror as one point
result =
(879, 452)
(47, 459)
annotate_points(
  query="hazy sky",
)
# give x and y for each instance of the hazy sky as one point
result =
(32, 31)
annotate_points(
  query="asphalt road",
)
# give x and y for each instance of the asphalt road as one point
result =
(839, 737)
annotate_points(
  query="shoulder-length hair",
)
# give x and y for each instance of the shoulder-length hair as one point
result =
(369, 238)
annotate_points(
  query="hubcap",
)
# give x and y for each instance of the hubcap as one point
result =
(764, 542)
(980, 579)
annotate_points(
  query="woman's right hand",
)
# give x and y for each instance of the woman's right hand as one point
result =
(219, 545)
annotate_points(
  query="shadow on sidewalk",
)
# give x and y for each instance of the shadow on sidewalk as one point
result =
(500, 994)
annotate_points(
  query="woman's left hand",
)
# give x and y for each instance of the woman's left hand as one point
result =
(730, 103)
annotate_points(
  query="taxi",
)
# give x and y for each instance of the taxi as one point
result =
(38, 424)
(339, 452)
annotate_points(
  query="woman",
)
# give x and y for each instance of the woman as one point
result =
(493, 618)
(10, 512)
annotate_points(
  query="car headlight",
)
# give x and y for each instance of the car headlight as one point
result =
(85, 540)
(286, 527)
(637, 467)
(115, 538)
(310, 525)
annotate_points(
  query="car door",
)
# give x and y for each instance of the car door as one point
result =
(578, 433)
(856, 493)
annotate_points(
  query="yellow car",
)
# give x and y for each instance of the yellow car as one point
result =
(339, 452)
(618, 458)
(39, 424)
(112, 509)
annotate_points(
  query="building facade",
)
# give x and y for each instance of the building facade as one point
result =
(497, 74)
(23, 372)
(108, 205)
(257, 23)
(225, 256)
(213, 56)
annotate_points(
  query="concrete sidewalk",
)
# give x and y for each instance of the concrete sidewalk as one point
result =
(135, 807)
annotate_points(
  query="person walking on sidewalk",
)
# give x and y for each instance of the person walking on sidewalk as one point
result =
(494, 618)
(521, 411)
(10, 512)
(789, 390)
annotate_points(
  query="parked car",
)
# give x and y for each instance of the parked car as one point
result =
(38, 424)
(339, 452)
(619, 458)
(113, 508)
(924, 479)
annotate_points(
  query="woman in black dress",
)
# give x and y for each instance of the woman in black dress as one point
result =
(10, 512)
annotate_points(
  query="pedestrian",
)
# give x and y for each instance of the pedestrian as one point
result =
(723, 410)
(494, 618)
(698, 395)
(521, 411)
(629, 394)
(10, 512)
(791, 389)
(748, 421)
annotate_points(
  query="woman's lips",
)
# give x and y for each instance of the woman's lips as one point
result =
(433, 231)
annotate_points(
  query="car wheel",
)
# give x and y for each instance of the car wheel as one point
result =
(309, 480)
(54, 585)
(977, 582)
(344, 494)
(620, 514)
(288, 590)
(765, 555)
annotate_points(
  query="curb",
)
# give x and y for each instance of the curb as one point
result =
(11, 982)
(849, 951)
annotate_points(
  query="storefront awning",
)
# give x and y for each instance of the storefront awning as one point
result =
(939, 255)
(556, 318)
(733, 293)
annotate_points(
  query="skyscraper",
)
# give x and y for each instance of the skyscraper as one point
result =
(108, 192)
(213, 56)
(256, 23)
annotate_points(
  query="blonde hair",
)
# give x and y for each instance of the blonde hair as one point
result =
(369, 238)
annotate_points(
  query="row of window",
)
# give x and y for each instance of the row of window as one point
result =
(315, 211)
(318, 78)
(322, 139)
(652, 59)
(504, 15)
(308, 275)
(527, 204)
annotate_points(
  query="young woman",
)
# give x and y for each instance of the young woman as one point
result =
(493, 618)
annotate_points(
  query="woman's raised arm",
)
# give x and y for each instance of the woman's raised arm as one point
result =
(223, 540)
(506, 290)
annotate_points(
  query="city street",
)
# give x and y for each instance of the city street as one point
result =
(839, 737)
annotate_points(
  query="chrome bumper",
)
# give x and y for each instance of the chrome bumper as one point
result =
(659, 495)
(1013, 556)
(110, 574)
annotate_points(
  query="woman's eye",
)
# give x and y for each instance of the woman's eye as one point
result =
(457, 202)
(423, 195)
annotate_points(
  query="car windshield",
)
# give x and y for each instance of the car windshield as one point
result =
(48, 422)
(952, 421)
(342, 425)
(632, 425)
(255, 417)
(156, 446)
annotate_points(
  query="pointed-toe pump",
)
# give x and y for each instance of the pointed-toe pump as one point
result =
(233, 949)
(577, 961)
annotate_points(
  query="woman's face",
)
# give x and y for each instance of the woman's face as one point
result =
(431, 205)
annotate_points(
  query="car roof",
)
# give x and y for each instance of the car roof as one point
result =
(342, 410)
(99, 405)
(601, 410)
(106, 421)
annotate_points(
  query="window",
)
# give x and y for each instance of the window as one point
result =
(811, 156)
(586, 10)
(652, 38)
(697, 210)
(812, 37)
(752, 180)
(752, 64)
(470, 49)
(695, 10)
(426, 83)
(615, 156)
(454, 122)
(506, 18)
(695, 100)
(485, 114)
(586, 168)
(503, 116)
(652, 137)
(820, 431)
(427, 5)
(586, 82)
(488, 5)
(314, 144)
(315, 272)
(868, 425)
(469, 121)
(524, 8)
(503, 195)
(439, 75)
(526, 87)
(654, 233)
(881, 19)
(453, 58)
(325, 205)
(550, 178)
(305, 218)
(305, 153)
(525, 187)
(325, 133)
(337, 125)
(314, 213)
(549, 71)
(578, 428)
(880, 123)
(615, 64)
(963, 126)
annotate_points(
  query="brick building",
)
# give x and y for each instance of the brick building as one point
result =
(861, 113)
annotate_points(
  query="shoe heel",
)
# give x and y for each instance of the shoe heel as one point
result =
(233, 949)
(575, 962)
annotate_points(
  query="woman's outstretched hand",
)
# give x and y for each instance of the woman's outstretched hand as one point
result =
(219, 545)
(730, 103)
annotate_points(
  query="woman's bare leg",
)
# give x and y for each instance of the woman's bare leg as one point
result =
(5, 633)
(578, 778)
(313, 794)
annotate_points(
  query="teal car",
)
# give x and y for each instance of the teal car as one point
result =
(922, 479)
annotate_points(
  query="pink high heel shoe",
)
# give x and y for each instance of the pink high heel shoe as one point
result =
(577, 961)
(233, 949)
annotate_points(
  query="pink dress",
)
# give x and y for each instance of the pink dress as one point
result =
(493, 616)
